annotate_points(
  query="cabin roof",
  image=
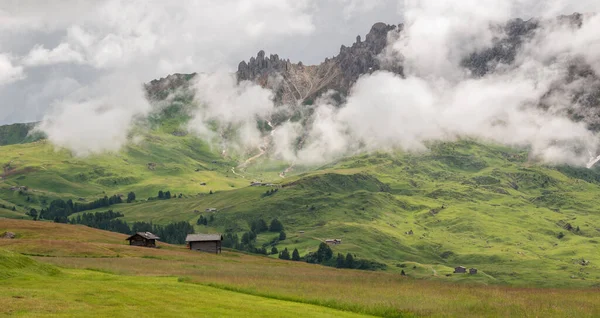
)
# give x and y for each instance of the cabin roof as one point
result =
(203, 237)
(146, 235)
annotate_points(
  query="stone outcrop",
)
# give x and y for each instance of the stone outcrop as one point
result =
(298, 83)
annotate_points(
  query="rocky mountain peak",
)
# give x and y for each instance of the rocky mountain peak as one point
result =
(302, 83)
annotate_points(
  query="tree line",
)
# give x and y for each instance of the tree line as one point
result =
(173, 233)
(324, 256)
(247, 242)
(59, 210)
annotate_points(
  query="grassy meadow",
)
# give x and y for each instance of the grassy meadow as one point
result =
(465, 203)
(48, 275)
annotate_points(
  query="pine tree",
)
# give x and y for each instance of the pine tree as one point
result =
(130, 197)
(161, 195)
(341, 261)
(324, 253)
(295, 255)
(285, 254)
(349, 261)
(282, 236)
(168, 195)
(274, 250)
(33, 214)
(275, 226)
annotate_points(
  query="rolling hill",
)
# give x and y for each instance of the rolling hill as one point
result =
(461, 203)
(70, 270)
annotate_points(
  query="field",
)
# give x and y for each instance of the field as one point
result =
(465, 203)
(107, 277)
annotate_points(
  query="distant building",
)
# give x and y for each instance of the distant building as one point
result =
(146, 239)
(205, 242)
(460, 269)
(333, 241)
(211, 210)
(472, 271)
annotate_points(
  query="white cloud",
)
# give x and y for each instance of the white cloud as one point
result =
(63, 53)
(221, 100)
(96, 118)
(8, 71)
(352, 8)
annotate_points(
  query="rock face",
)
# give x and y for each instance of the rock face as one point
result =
(297, 83)
(585, 97)
(160, 88)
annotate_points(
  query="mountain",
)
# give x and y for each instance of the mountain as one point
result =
(296, 83)
(462, 203)
(18, 133)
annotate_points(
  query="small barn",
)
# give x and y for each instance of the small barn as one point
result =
(460, 269)
(333, 241)
(472, 271)
(210, 243)
(146, 239)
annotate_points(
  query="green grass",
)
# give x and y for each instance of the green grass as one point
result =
(99, 274)
(32, 289)
(502, 214)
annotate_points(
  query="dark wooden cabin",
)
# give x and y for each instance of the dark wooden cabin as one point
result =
(210, 243)
(146, 239)
(460, 269)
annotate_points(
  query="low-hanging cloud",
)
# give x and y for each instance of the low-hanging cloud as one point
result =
(9, 72)
(228, 111)
(438, 99)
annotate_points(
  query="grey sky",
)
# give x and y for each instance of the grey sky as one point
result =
(49, 50)
(54, 50)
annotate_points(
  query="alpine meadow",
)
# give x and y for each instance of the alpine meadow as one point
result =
(442, 166)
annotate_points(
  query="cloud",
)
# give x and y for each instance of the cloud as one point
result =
(233, 108)
(8, 71)
(96, 118)
(127, 42)
(438, 99)
(63, 53)
(353, 8)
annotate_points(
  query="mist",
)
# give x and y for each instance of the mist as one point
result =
(437, 99)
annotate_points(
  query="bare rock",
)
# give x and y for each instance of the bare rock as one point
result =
(8, 235)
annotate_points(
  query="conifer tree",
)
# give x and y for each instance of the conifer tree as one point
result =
(295, 255)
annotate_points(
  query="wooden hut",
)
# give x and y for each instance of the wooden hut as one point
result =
(472, 271)
(460, 269)
(204, 242)
(333, 241)
(146, 239)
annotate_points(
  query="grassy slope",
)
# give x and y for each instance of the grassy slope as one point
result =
(501, 215)
(53, 173)
(31, 288)
(17, 133)
(234, 284)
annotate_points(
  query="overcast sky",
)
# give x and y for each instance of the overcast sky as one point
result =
(51, 49)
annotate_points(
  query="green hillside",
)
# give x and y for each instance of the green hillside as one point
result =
(466, 204)
(71, 270)
(18, 134)
(462, 203)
